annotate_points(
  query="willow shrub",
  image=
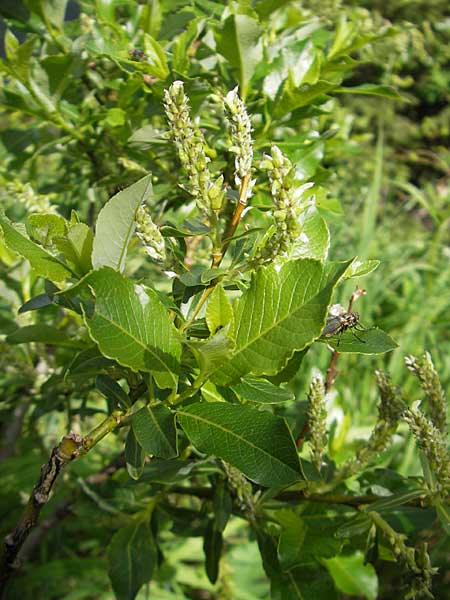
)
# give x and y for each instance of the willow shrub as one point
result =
(164, 321)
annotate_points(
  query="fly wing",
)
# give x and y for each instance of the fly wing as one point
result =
(332, 326)
(336, 310)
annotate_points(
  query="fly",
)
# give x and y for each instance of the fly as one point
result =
(339, 320)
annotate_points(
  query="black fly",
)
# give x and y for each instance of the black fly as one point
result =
(138, 54)
(339, 320)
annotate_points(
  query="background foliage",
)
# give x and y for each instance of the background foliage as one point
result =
(83, 119)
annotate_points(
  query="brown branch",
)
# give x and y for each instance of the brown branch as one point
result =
(235, 219)
(64, 510)
(69, 448)
(299, 496)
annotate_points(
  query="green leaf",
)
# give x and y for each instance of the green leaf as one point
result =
(44, 227)
(301, 583)
(211, 354)
(88, 363)
(7, 325)
(76, 247)
(156, 63)
(291, 538)
(51, 11)
(11, 44)
(291, 97)
(265, 8)
(112, 391)
(352, 576)
(443, 513)
(131, 325)
(154, 428)
(345, 32)
(281, 312)
(45, 334)
(290, 370)
(359, 525)
(219, 312)
(314, 239)
(258, 443)
(371, 89)
(360, 268)
(394, 500)
(131, 557)
(240, 42)
(372, 341)
(41, 261)
(180, 54)
(212, 546)
(261, 391)
(116, 117)
(19, 58)
(298, 62)
(222, 505)
(115, 225)
(134, 456)
(35, 303)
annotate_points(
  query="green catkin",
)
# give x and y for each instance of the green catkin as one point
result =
(317, 414)
(150, 235)
(424, 369)
(190, 144)
(288, 198)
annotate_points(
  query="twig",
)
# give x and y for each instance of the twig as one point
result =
(332, 371)
(235, 219)
(64, 510)
(217, 257)
(69, 448)
(298, 496)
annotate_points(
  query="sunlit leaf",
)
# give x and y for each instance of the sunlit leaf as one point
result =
(257, 443)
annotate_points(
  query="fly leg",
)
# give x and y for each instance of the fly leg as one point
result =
(357, 336)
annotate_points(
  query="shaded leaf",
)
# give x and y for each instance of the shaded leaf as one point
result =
(131, 557)
(134, 456)
(212, 546)
(211, 354)
(352, 576)
(154, 428)
(44, 227)
(41, 261)
(112, 391)
(219, 312)
(291, 538)
(35, 303)
(42, 333)
(443, 513)
(371, 89)
(76, 247)
(240, 42)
